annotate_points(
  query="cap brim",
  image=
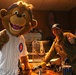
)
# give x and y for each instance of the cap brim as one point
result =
(56, 27)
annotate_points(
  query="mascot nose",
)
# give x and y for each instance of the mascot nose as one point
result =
(18, 15)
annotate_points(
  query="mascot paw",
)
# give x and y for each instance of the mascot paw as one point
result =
(3, 38)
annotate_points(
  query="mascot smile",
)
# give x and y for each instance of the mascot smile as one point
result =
(18, 18)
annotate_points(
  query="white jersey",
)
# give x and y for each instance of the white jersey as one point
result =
(10, 54)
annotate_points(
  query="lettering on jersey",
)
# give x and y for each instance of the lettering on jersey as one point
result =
(20, 47)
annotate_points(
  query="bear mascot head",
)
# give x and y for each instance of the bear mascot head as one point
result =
(17, 20)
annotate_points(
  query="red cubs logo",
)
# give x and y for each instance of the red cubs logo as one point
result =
(20, 47)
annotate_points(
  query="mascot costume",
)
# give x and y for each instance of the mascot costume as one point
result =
(17, 20)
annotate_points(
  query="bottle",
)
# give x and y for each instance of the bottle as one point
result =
(67, 68)
(39, 72)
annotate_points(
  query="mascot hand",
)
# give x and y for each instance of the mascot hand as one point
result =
(3, 38)
(25, 65)
(28, 70)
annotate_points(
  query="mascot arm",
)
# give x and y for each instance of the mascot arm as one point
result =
(24, 60)
(27, 69)
(3, 38)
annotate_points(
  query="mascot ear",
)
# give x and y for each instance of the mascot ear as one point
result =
(3, 12)
(34, 23)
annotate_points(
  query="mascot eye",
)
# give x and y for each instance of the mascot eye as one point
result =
(24, 15)
(16, 12)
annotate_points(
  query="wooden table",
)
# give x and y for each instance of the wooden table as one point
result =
(48, 72)
(36, 72)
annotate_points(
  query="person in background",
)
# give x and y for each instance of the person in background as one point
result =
(64, 44)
